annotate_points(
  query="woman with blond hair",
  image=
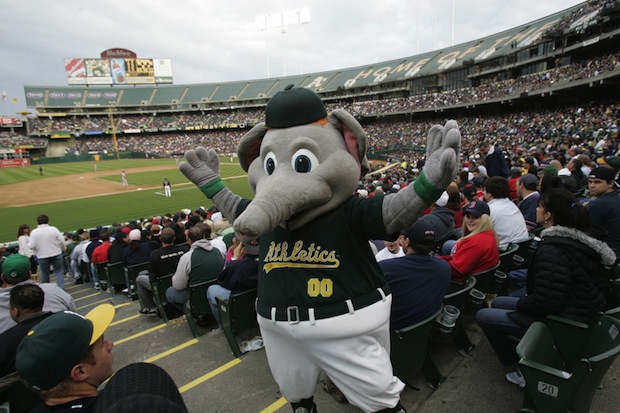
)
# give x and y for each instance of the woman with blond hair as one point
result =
(478, 249)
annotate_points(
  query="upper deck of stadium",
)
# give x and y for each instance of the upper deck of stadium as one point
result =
(528, 48)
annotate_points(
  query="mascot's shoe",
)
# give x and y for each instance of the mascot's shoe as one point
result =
(304, 406)
(332, 390)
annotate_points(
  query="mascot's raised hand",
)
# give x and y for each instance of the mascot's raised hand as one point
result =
(401, 210)
(203, 169)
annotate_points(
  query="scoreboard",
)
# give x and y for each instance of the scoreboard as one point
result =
(117, 67)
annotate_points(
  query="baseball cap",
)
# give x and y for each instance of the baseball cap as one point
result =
(293, 107)
(476, 208)
(469, 191)
(15, 268)
(529, 181)
(53, 347)
(443, 199)
(529, 160)
(602, 172)
(251, 247)
(135, 235)
(126, 230)
(422, 232)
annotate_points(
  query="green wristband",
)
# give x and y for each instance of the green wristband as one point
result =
(425, 190)
(212, 187)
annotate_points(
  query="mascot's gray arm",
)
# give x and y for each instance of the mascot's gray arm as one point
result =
(402, 209)
(227, 202)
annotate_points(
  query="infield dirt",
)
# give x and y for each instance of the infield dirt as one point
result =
(62, 188)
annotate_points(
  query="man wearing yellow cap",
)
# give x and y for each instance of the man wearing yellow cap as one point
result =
(65, 358)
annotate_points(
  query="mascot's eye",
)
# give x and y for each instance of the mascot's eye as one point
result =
(270, 163)
(304, 161)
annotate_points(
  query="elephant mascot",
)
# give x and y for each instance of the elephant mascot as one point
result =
(323, 303)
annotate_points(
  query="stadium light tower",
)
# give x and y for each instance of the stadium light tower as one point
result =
(279, 21)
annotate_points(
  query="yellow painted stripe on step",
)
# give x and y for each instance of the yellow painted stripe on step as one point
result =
(107, 300)
(117, 306)
(277, 405)
(172, 350)
(125, 319)
(74, 287)
(86, 296)
(209, 375)
(140, 334)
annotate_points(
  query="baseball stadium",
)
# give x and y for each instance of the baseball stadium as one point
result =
(94, 155)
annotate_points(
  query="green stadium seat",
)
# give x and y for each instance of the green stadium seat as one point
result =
(116, 276)
(159, 286)
(410, 354)
(484, 279)
(132, 273)
(559, 383)
(196, 304)
(237, 313)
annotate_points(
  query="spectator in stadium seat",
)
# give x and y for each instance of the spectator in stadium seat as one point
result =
(565, 278)
(605, 207)
(65, 358)
(95, 242)
(162, 261)
(441, 219)
(495, 161)
(392, 249)
(240, 274)
(16, 271)
(508, 221)
(514, 175)
(77, 254)
(478, 249)
(48, 244)
(116, 251)
(26, 309)
(138, 251)
(100, 253)
(203, 262)
(527, 189)
(417, 280)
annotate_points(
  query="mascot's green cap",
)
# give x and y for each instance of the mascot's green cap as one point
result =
(294, 107)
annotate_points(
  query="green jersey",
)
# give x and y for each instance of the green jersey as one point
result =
(326, 261)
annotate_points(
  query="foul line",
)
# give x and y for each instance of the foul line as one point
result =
(275, 406)
(172, 350)
(209, 375)
(140, 334)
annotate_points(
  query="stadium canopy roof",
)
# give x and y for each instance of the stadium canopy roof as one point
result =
(427, 64)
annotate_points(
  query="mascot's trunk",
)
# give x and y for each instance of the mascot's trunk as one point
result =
(274, 207)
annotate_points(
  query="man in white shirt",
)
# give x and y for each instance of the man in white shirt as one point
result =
(49, 244)
(507, 219)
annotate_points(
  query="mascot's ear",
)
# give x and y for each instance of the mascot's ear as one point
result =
(249, 146)
(354, 137)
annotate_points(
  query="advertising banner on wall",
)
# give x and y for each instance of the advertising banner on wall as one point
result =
(75, 71)
(163, 70)
(117, 67)
(98, 72)
(140, 71)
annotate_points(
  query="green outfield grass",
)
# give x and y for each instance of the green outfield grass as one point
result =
(105, 210)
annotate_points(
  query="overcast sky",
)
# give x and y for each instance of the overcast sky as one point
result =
(215, 41)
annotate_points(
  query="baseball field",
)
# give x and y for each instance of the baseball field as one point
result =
(81, 195)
